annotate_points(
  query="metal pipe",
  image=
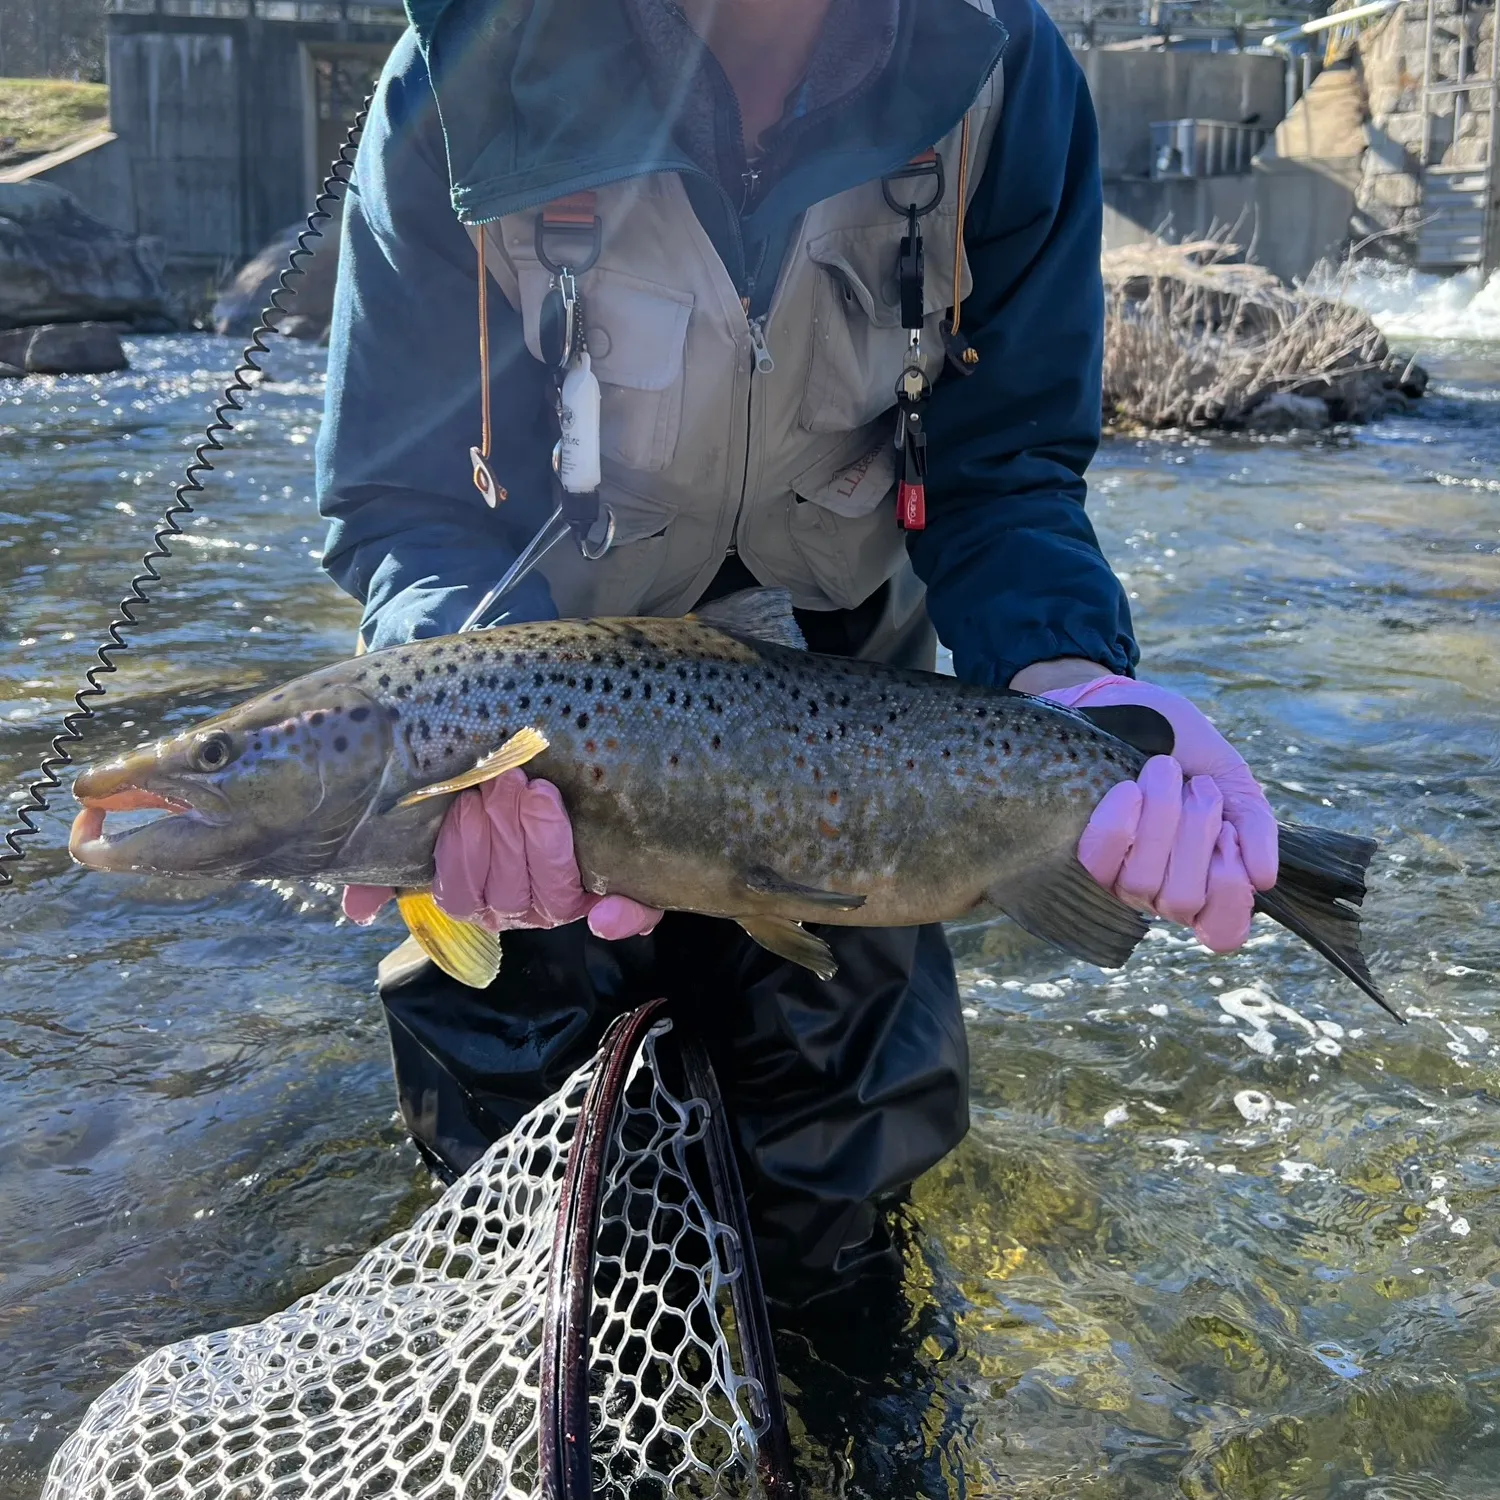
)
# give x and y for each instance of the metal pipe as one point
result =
(1325, 23)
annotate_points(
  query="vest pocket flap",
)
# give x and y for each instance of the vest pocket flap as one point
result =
(863, 263)
(636, 331)
(637, 516)
(850, 489)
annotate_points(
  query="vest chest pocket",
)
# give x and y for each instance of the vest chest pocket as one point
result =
(636, 333)
(858, 343)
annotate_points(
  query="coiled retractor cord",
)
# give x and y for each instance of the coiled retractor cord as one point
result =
(230, 402)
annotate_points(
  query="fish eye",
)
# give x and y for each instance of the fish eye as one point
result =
(211, 752)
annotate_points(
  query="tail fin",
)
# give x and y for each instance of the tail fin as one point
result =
(1321, 882)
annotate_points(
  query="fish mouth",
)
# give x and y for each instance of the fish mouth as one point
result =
(94, 849)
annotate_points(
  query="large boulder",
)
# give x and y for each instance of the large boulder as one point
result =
(59, 264)
(309, 311)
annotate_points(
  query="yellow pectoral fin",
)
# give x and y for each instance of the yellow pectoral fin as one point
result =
(468, 953)
(522, 746)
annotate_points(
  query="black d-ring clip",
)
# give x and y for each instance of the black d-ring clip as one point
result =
(931, 166)
(555, 220)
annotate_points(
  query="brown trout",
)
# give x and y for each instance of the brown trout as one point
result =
(709, 764)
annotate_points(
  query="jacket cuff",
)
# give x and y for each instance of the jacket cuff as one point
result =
(1027, 647)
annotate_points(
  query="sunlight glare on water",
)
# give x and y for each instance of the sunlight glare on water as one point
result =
(1220, 1227)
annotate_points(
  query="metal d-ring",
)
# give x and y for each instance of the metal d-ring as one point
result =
(933, 168)
(577, 267)
(589, 551)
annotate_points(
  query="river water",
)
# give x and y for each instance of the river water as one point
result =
(1220, 1227)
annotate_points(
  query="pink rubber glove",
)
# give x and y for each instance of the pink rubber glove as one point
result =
(505, 859)
(1192, 838)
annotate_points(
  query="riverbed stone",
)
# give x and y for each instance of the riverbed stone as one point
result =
(10, 372)
(309, 312)
(75, 349)
(59, 264)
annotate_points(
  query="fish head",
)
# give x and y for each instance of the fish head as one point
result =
(275, 786)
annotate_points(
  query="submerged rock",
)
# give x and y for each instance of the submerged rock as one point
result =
(75, 349)
(61, 349)
(59, 264)
(309, 312)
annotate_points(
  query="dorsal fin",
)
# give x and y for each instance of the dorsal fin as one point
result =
(756, 614)
(1148, 731)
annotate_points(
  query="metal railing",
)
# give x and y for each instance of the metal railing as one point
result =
(1203, 148)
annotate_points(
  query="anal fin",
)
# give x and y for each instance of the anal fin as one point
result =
(1064, 905)
(765, 881)
(469, 953)
(522, 746)
(791, 940)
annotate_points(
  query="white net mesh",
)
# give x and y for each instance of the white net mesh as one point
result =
(418, 1372)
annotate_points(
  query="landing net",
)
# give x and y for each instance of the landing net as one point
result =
(579, 1315)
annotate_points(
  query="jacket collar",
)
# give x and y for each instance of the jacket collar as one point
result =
(542, 98)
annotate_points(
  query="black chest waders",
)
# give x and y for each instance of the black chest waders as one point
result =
(580, 1313)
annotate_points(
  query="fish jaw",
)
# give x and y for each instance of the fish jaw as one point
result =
(118, 786)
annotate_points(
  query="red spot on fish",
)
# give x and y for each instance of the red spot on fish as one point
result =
(611, 744)
(598, 773)
(588, 747)
(827, 829)
(833, 799)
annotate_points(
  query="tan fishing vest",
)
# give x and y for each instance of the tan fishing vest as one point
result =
(704, 455)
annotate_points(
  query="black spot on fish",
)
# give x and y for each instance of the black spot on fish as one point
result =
(625, 693)
(426, 730)
(404, 691)
(989, 742)
(547, 701)
(947, 753)
(359, 715)
(588, 684)
(277, 697)
(812, 707)
(715, 742)
(453, 669)
(420, 674)
(340, 744)
(607, 685)
(510, 684)
(1062, 736)
(682, 674)
(538, 679)
(316, 717)
(439, 696)
(687, 700)
(437, 651)
(394, 715)
(671, 697)
(256, 745)
(1005, 747)
(646, 690)
(385, 679)
(523, 702)
(583, 721)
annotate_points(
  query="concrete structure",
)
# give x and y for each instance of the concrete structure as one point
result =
(224, 114)
(1134, 90)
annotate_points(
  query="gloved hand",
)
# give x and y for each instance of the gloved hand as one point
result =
(505, 859)
(1193, 837)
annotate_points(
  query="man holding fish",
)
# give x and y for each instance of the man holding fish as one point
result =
(793, 294)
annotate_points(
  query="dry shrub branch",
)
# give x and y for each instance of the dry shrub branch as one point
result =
(1195, 339)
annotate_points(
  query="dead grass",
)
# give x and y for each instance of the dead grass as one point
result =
(1195, 338)
(42, 114)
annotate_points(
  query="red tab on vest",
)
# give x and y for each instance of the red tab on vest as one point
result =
(911, 506)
